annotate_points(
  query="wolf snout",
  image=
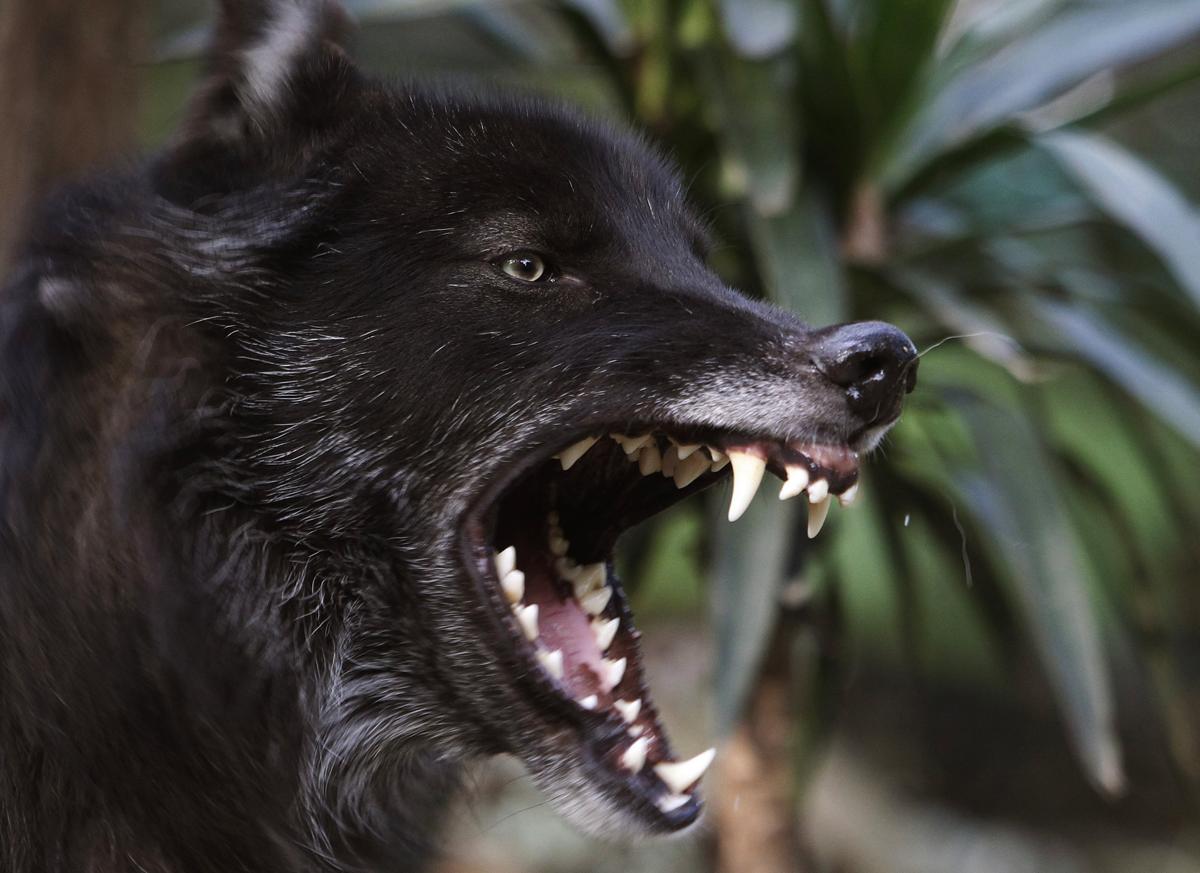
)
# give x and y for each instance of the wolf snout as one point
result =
(874, 362)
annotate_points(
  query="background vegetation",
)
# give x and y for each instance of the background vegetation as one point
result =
(992, 662)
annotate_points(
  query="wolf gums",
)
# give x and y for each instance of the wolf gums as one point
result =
(317, 431)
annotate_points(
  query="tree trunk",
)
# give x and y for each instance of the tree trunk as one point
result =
(68, 96)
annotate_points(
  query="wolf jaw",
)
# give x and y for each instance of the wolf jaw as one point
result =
(540, 544)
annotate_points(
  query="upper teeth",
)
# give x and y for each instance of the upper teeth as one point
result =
(572, 453)
(747, 474)
(678, 775)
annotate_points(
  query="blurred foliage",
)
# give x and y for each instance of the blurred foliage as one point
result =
(942, 167)
(947, 167)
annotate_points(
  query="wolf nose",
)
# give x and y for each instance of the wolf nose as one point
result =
(875, 362)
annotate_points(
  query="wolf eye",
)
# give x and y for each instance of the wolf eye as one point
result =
(526, 266)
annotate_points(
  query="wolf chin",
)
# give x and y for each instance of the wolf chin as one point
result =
(317, 430)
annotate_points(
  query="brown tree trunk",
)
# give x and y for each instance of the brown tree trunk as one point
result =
(68, 96)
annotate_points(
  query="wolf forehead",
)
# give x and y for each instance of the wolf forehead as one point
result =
(530, 166)
(462, 161)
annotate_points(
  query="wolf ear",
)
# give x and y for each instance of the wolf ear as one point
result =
(277, 68)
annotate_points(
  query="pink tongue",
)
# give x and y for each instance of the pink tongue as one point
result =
(562, 623)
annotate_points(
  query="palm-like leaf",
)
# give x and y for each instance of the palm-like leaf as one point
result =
(865, 134)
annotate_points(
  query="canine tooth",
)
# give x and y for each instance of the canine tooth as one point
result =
(527, 618)
(553, 662)
(649, 460)
(816, 516)
(606, 632)
(818, 490)
(513, 584)
(797, 481)
(589, 702)
(629, 709)
(847, 497)
(747, 474)
(686, 451)
(670, 460)
(634, 758)
(678, 775)
(572, 453)
(506, 561)
(594, 602)
(614, 671)
(690, 470)
(558, 545)
(588, 578)
(672, 802)
(629, 444)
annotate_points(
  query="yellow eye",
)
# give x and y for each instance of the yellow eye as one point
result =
(526, 267)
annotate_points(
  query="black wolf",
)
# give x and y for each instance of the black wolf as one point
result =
(316, 433)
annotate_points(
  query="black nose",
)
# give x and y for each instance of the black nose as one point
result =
(876, 364)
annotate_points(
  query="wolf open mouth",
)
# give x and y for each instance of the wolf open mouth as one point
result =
(542, 543)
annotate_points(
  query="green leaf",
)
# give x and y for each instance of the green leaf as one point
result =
(1032, 71)
(750, 559)
(798, 262)
(1135, 195)
(759, 28)
(1029, 535)
(1161, 389)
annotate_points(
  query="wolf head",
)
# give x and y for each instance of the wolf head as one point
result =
(444, 346)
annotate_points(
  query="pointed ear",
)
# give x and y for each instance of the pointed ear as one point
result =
(277, 69)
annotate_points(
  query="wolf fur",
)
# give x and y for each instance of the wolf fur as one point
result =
(248, 388)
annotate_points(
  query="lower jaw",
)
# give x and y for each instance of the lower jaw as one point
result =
(576, 643)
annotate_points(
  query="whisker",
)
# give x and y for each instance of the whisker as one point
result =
(943, 341)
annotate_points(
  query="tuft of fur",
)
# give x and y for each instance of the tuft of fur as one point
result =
(248, 391)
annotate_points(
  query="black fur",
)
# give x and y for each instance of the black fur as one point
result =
(248, 392)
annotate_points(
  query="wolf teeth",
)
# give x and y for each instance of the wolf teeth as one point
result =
(690, 469)
(572, 453)
(649, 460)
(797, 481)
(670, 459)
(629, 709)
(817, 513)
(672, 802)
(631, 445)
(513, 584)
(553, 662)
(594, 602)
(686, 451)
(605, 632)
(506, 561)
(847, 497)
(527, 618)
(747, 474)
(588, 578)
(614, 672)
(634, 758)
(589, 702)
(678, 775)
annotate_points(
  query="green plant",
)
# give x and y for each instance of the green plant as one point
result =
(890, 159)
